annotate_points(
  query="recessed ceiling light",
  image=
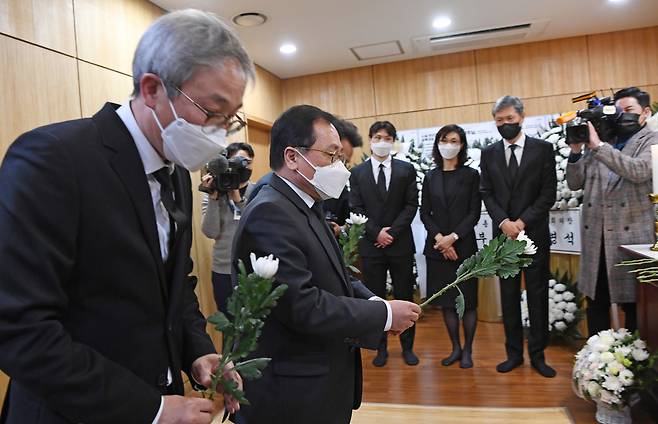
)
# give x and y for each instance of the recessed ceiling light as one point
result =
(442, 22)
(249, 19)
(288, 48)
(617, 1)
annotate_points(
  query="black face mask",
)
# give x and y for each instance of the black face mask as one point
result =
(509, 131)
(245, 174)
(627, 124)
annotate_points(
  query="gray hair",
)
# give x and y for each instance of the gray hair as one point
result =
(507, 101)
(180, 42)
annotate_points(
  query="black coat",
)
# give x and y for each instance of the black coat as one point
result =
(531, 194)
(89, 322)
(459, 214)
(397, 210)
(313, 334)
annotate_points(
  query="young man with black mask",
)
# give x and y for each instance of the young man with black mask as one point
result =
(616, 178)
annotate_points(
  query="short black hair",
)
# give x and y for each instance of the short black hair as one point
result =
(643, 98)
(462, 156)
(383, 125)
(294, 128)
(348, 131)
(234, 148)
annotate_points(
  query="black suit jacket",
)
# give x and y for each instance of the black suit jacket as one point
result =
(313, 333)
(459, 214)
(529, 196)
(397, 210)
(89, 318)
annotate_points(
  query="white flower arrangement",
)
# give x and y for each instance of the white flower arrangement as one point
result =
(564, 309)
(565, 197)
(421, 164)
(612, 367)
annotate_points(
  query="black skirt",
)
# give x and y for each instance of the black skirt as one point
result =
(440, 273)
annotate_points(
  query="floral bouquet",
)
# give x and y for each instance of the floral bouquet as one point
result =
(249, 305)
(349, 239)
(565, 197)
(503, 257)
(564, 309)
(612, 369)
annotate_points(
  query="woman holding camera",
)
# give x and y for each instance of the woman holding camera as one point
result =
(220, 213)
(450, 210)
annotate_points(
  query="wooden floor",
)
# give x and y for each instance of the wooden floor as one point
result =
(430, 383)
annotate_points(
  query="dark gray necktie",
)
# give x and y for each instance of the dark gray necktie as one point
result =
(381, 181)
(163, 176)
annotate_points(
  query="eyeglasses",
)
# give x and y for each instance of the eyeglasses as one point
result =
(215, 120)
(333, 155)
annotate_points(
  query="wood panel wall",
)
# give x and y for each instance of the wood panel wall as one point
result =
(461, 87)
(63, 59)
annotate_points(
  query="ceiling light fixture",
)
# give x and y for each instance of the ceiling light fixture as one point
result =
(249, 19)
(288, 48)
(441, 22)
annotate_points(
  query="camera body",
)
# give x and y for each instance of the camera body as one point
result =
(227, 174)
(602, 113)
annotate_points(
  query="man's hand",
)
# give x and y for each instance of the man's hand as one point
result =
(520, 224)
(450, 254)
(334, 227)
(384, 238)
(206, 181)
(205, 366)
(594, 140)
(445, 243)
(186, 410)
(511, 229)
(405, 314)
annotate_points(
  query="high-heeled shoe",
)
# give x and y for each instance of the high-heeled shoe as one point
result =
(454, 357)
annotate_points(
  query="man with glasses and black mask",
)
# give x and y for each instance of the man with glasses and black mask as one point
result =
(98, 315)
(616, 178)
(314, 333)
(384, 189)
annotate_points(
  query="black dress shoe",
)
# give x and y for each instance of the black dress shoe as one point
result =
(466, 361)
(410, 358)
(454, 357)
(543, 369)
(509, 365)
(381, 358)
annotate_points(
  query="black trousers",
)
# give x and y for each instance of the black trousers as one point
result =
(536, 280)
(598, 309)
(222, 288)
(401, 269)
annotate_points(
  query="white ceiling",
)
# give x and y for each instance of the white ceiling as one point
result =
(324, 31)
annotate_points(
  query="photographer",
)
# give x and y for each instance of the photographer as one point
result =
(220, 212)
(616, 178)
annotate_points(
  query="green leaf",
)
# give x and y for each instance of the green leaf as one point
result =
(219, 320)
(460, 304)
(251, 370)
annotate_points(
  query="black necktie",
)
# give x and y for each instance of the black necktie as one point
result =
(381, 181)
(319, 212)
(513, 165)
(167, 196)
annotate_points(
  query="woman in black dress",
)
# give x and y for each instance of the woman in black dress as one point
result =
(450, 210)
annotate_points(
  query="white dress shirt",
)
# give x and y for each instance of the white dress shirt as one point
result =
(152, 162)
(310, 202)
(387, 169)
(518, 152)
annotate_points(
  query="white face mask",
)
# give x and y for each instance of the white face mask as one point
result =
(329, 181)
(450, 150)
(381, 148)
(187, 145)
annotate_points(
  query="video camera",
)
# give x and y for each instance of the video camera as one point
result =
(227, 174)
(602, 113)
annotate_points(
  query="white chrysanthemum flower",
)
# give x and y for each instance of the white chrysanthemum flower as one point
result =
(623, 350)
(614, 368)
(566, 193)
(571, 307)
(560, 326)
(569, 317)
(568, 296)
(572, 203)
(558, 314)
(265, 267)
(639, 344)
(560, 175)
(561, 305)
(552, 282)
(640, 355)
(558, 298)
(560, 287)
(530, 248)
(607, 357)
(356, 219)
(626, 377)
(594, 357)
(612, 383)
(553, 138)
(562, 205)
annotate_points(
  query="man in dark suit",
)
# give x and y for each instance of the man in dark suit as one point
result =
(98, 316)
(384, 189)
(314, 333)
(518, 187)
